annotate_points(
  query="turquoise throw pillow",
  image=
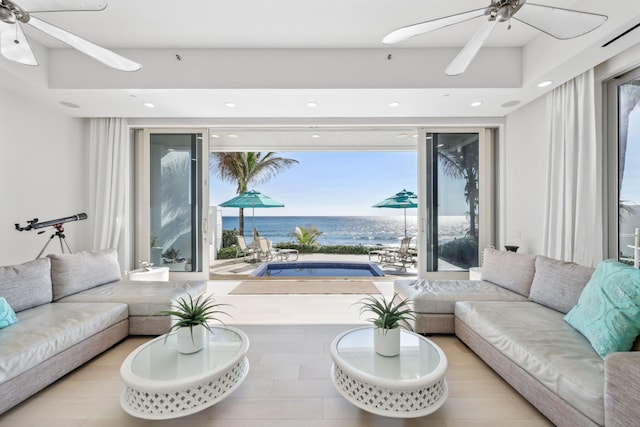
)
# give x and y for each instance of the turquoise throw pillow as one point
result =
(608, 310)
(7, 315)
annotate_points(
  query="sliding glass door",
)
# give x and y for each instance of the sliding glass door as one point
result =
(624, 164)
(171, 175)
(457, 188)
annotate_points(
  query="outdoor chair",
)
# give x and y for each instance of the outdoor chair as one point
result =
(243, 250)
(400, 257)
(265, 249)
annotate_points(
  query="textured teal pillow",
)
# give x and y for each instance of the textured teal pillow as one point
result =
(7, 315)
(608, 310)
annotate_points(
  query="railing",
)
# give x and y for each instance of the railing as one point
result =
(636, 248)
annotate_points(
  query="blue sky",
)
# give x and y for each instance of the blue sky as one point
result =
(631, 183)
(334, 183)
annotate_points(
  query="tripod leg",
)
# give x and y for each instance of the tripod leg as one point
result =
(45, 246)
(63, 238)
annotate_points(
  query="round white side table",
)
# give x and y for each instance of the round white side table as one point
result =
(409, 385)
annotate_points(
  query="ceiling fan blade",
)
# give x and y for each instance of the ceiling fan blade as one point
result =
(466, 55)
(559, 23)
(61, 5)
(14, 45)
(424, 27)
(101, 54)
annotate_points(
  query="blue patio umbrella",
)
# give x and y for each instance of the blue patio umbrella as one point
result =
(402, 200)
(252, 199)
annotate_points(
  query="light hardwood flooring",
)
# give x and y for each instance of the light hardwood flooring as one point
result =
(288, 383)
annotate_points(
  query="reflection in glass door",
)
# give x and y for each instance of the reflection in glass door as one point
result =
(452, 205)
(171, 201)
(628, 168)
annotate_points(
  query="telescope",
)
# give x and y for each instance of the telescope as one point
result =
(35, 224)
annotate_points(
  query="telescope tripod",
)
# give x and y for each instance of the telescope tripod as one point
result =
(61, 237)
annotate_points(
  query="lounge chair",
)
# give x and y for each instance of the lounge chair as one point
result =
(265, 249)
(243, 249)
(400, 257)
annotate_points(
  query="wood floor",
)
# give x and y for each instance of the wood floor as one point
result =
(288, 383)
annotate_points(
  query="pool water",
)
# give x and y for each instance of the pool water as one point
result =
(317, 269)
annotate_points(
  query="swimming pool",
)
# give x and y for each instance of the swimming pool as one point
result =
(317, 269)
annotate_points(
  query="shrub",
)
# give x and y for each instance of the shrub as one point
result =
(227, 253)
(461, 252)
(229, 238)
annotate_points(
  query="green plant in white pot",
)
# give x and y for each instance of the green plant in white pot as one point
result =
(192, 321)
(389, 316)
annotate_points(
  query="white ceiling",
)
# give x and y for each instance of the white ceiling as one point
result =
(271, 57)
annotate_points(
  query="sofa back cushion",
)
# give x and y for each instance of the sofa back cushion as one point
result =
(509, 270)
(558, 284)
(73, 273)
(26, 285)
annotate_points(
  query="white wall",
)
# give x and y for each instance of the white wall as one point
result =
(42, 174)
(523, 177)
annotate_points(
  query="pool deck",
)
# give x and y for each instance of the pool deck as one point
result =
(238, 269)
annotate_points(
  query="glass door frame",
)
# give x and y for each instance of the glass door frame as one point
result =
(612, 134)
(486, 197)
(143, 198)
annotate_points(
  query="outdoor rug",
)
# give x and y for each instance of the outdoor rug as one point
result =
(266, 287)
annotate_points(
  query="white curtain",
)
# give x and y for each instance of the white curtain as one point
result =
(109, 186)
(574, 219)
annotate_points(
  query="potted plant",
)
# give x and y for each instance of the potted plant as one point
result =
(389, 317)
(193, 317)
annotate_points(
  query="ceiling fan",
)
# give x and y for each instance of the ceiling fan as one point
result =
(15, 46)
(558, 23)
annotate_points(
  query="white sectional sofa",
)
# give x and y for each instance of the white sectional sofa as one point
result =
(70, 308)
(514, 319)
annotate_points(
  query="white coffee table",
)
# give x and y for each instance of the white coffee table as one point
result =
(409, 385)
(161, 383)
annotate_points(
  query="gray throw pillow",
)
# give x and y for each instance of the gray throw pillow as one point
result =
(558, 284)
(26, 285)
(73, 273)
(509, 270)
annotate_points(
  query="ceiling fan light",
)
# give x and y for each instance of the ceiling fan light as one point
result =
(504, 13)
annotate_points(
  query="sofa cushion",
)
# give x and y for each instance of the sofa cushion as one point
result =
(144, 298)
(508, 269)
(26, 285)
(537, 339)
(440, 296)
(558, 284)
(608, 311)
(7, 315)
(72, 273)
(49, 329)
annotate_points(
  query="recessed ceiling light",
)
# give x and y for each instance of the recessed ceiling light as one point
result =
(401, 135)
(315, 135)
(545, 83)
(510, 103)
(69, 104)
(149, 105)
(415, 135)
(312, 104)
(229, 104)
(232, 135)
(394, 104)
(476, 104)
(215, 135)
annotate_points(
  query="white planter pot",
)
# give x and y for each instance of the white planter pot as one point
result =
(386, 342)
(187, 343)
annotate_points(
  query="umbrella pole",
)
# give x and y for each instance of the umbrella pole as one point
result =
(405, 222)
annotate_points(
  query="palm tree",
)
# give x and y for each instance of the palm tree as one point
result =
(307, 236)
(248, 168)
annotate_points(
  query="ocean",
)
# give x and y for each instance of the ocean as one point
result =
(344, 230)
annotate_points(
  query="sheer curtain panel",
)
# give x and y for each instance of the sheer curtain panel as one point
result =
(109, 186)
(573, 215)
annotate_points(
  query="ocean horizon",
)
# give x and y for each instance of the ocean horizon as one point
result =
(344, 230)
